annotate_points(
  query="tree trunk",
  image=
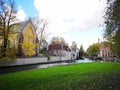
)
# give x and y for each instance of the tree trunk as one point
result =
(5, 42)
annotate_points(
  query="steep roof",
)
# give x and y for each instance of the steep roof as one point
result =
(58, 47)
(24, 24)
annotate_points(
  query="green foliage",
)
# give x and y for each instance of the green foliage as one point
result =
(84, 76)
(117, 43)
(93, 49)
(81, 51)
(112, 24)
(41, 51)
(47, 55)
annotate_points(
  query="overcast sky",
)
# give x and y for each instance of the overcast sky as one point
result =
(74, 20)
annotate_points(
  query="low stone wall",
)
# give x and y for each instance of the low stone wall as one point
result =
(23, 61)
(36, 60)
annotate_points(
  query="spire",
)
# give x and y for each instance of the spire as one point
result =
(30, 19)
(99, 40)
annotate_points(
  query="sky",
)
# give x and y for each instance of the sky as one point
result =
(74, 20)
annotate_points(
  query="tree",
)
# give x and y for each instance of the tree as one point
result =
(93, 49)
(117, 43)
(112, 24)
(62, 41)
(58, 40)
(28, 46)
(74, 46)
(7, 18)
(55, 40)
(81, 51)
(40, 25)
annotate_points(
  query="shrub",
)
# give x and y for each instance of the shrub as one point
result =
(8, 55)
(47, 55)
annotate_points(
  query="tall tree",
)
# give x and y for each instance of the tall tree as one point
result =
(40, 25)
(112, 24)
(7, 17)
(74, 46)
(81, 51)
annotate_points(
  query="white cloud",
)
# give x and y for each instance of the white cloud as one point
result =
(86, 14)
(21, 15)
(69, 15)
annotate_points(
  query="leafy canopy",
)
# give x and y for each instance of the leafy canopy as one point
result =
(112, 24)
(93, 49)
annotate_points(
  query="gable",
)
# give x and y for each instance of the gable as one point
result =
(29, 25)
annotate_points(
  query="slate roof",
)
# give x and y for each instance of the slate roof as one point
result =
(58, 47)
(22, 25)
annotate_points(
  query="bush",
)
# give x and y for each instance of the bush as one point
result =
(48, 56)
(41, 51)
(8, 55)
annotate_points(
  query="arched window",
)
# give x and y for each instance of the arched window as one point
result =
(21, 38)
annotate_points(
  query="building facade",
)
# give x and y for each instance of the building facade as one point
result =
(58, 49)
(105, 50)
(28, 40)
(25, 40)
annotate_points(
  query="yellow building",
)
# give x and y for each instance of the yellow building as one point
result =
(26, 41)
(12, 41)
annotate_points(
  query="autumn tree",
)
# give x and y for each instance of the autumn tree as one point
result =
(112, 24)
(28, 46)
(7, 18)
(7, 23)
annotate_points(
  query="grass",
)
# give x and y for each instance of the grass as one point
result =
(83, 76)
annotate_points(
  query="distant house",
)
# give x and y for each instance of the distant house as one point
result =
(43, 45)
(58, 49)
(105, 50)
(75, 53)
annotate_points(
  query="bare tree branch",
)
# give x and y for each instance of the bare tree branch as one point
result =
(7, 15)
(40, 25)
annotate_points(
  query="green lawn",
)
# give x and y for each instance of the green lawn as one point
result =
(83, 76)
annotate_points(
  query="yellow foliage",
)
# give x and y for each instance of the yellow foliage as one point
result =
(29, 48)
(29, 44)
